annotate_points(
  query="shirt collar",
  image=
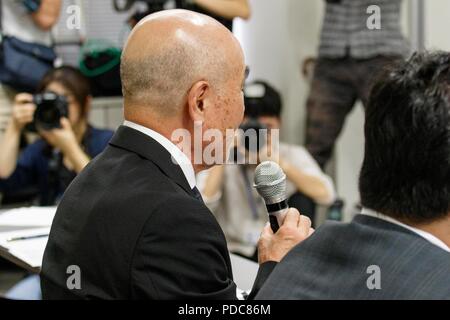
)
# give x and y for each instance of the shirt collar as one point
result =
(426, 235)
(177, 155)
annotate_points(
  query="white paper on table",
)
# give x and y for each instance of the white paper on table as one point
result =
(24, 217)
(30, 251)
(244, 272)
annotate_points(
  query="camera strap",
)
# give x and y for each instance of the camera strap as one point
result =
(55, 164)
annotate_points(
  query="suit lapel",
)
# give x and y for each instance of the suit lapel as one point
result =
(137, 142)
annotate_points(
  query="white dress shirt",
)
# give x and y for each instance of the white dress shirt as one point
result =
(177, 155)
(426, 235)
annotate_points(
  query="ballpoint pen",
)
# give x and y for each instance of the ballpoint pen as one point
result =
(27, 237)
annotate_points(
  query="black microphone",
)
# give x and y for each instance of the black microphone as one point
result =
(270, 182)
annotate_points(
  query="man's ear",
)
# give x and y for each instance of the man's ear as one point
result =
(197, 97)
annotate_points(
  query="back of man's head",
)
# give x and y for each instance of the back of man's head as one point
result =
(406, 170)
(169, 51)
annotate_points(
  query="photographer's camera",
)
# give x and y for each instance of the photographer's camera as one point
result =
(50, 109)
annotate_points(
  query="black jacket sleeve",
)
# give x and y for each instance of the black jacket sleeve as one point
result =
(263, 273)
(182, 254)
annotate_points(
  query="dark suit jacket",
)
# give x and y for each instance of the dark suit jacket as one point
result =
(130, 222)
(333, 264)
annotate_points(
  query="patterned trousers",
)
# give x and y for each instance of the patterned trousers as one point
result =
(336, 86)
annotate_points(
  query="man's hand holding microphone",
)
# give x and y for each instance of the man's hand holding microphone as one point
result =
(287, 227)
(274, 246)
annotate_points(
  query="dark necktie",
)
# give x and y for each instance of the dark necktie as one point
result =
(197, 194)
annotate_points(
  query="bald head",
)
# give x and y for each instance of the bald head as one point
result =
(168, 52)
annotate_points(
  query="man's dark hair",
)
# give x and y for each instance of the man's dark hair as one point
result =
(406, 169)
(269, 104)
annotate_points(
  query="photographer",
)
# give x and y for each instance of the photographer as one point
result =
(228, 190)
(65, 147)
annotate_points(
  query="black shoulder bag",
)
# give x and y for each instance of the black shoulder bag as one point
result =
(23, 64)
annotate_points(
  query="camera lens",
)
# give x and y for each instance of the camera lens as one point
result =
(50, 109)
(49, 115)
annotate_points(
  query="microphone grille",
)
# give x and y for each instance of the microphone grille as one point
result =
(270, 181)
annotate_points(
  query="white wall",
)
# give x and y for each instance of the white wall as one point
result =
(437, 24)
(280, 34)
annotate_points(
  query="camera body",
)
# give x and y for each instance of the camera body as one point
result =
(50, 108)
(252, 139)
(252, 128)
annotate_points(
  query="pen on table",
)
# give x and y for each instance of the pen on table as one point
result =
(28, 237)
